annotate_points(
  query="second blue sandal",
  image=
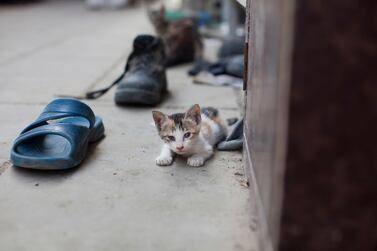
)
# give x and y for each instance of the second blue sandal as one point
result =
(59, 137)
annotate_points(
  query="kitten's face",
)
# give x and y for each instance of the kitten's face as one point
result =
(179, 131)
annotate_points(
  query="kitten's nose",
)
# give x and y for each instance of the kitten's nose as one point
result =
(179, 148)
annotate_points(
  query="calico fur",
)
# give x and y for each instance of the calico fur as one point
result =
(192, 134)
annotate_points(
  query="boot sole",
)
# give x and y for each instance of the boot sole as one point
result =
(136, 96)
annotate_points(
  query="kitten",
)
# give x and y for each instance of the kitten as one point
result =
(182, 40)
(192, 134)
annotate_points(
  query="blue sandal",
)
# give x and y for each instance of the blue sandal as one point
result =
(59, 138)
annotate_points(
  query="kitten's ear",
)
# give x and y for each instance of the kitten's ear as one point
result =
(162, 9)
(159, 119)
(194, 114)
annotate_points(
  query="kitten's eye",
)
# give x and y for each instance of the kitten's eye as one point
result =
(187, 135)
(171, 138)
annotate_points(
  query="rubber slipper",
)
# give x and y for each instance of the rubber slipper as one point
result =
(59, 138)
(234, 141)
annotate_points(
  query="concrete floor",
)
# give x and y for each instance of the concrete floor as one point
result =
(118, 199)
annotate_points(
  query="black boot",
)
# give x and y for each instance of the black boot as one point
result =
(144, 79)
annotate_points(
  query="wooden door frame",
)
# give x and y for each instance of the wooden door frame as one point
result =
(269, 33)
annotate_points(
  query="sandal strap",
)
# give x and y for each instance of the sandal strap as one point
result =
(75, 134)
(62, 108)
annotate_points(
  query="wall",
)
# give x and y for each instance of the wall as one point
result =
(269, 23)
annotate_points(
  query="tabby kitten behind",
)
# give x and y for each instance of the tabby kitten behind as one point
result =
(182, 40)
(192, 134)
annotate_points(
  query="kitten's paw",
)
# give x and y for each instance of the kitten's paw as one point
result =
(164, 161)
(195, 161)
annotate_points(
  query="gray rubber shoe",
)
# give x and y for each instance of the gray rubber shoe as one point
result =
(140, 89)
(144, 81)
(234, 141)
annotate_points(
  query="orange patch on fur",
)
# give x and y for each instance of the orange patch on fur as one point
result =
(167, 126)
(219, 121)
(207, 127)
